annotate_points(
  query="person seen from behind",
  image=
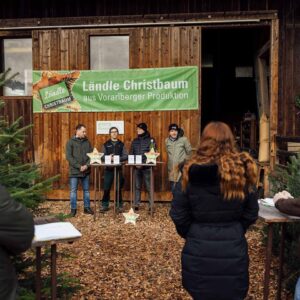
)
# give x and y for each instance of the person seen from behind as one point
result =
(212, 213)
(16, 234)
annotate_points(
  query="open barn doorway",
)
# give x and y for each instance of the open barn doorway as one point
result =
(235, 80)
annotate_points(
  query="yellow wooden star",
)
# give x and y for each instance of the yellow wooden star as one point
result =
(130, 217)
(95, 157)
(151, 156)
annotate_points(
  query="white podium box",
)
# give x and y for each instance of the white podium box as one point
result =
(131, 159)
(116, 159)
(138, 159)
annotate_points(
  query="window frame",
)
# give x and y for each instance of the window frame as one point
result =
(7, 36)
(107, 34)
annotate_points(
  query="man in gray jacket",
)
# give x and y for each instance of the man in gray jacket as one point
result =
(179, 149)
(77, 148)
(16, 234)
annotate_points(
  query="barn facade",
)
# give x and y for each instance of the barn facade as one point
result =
(247, 53)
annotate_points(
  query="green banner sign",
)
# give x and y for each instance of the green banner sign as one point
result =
(117, 90)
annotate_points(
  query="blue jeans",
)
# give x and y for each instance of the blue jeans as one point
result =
(85, 182)
(297, 290)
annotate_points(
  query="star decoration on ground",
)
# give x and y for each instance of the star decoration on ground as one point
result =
(95, 157)
(151, 156)
(130, 217)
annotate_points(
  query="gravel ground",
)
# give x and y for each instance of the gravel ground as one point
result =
(117, 261)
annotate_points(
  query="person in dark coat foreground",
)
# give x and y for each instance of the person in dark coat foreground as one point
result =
(16, 234)
(213, 213)
(289, 206)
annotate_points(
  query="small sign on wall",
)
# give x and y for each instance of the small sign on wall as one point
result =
(102, 127)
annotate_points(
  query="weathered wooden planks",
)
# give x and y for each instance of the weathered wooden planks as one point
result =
(153, 46)
(274, 57)
(68, 49)
(105, 10)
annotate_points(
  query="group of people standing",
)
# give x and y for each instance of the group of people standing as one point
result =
(178, 149)
(213, 205)
(214, 201)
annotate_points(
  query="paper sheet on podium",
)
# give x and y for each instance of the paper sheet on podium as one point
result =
(55, 231)
(267, 202)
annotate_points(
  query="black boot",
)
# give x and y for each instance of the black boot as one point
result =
(88, 210)
(120, 209)
(73, 212)
(104, 209)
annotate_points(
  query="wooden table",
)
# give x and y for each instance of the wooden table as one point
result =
(38, 247)
(132, 183)
(97, 179)
(271, 215)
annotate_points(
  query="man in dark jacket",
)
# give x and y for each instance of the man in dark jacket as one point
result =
(113, 147)
(77, 148)
(16, 234)
(289, 206)
(140, 146)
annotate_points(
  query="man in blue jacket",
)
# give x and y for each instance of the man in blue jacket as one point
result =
(139, 146)
(77, 148)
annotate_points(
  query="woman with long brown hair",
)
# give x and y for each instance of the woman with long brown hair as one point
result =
(212, 214)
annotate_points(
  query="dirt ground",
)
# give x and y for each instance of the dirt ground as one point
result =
(114, 260)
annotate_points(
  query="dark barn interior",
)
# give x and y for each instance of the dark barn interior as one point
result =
(228, 73)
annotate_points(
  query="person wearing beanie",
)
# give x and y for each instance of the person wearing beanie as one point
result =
(139, 146)
(179, 150)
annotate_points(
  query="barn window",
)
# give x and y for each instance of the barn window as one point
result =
(17, 55)
(109, 52)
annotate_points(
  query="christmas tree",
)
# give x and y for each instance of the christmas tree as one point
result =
(23, 180)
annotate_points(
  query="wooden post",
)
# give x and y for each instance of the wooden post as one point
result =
(53, 272)
(95, 192)
(268, 261)
(274, 53)
(38, 280)
(281, 259)
(115, 192)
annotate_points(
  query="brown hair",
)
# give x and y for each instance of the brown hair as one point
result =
(79, 126)
(237, 170)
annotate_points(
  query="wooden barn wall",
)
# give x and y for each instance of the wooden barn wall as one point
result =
(149, 47)
(289, 114)
(76, 8)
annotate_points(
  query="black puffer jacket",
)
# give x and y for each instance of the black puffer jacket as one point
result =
(117, 148)
(141, 144)
(215, 255)
(16, 233)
